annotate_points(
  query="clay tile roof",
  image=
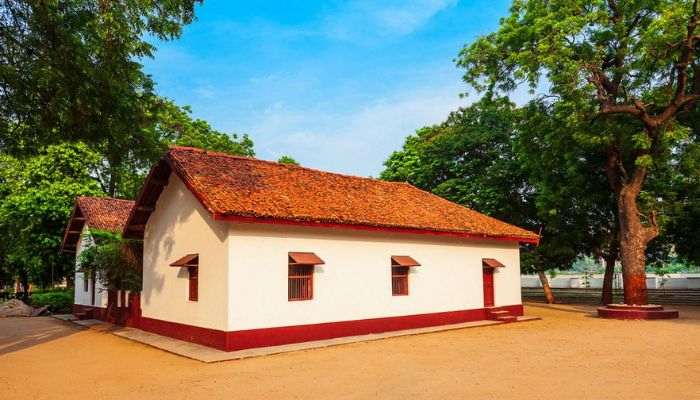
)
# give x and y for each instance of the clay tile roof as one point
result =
(240, 187)
(103, 213)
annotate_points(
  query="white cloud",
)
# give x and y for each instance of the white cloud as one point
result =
(368, 19)
(351, 141)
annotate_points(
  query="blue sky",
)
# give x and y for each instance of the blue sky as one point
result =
(336, 85)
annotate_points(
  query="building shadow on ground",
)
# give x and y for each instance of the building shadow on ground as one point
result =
(18, 333)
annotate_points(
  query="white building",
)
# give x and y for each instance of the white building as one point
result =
(92, 213)
(242, 253)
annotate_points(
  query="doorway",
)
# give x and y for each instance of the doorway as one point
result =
(488, 287)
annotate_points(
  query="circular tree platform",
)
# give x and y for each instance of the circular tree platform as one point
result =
(627, 311)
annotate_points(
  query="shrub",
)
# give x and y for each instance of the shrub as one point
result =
(59, 302)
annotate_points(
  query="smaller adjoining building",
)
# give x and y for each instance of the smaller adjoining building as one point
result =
(92, 213)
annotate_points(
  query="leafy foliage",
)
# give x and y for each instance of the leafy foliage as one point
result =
(36, 196)
(620, 74)
(79, 116)
(174, 125)
(70, 69)
(58, 301)
(469, 160)
(478, 158)
(287, 160)
(113, 260)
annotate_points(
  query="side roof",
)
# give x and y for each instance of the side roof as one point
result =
(249, 190)
(103, 213)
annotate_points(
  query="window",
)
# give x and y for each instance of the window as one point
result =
(399, 280)
(300, 276)
(191, 262)
(399, 274)
(194, 283)
(301, 282)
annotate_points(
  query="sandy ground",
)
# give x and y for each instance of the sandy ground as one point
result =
(567, 355)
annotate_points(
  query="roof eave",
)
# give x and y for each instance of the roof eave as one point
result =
(374, 228)
(68, 232)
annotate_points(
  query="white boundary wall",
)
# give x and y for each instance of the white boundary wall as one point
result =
(670, 281)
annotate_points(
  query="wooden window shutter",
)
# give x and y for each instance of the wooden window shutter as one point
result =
(194, 283)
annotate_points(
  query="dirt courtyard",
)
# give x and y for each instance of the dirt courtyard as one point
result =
(567, 355)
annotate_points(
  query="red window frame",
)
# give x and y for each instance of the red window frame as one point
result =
(300, 282)
(399, 280)
(193, 292)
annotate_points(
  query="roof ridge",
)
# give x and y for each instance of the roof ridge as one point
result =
(248, 158)
(104, 198)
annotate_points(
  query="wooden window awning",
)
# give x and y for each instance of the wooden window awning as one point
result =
(190, 260)
(491, 263)
(300, 258)
(404, 261)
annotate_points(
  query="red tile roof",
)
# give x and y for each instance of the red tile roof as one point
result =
(103, 213)
(242, 188)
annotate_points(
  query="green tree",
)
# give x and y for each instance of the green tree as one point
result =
(571, 190)
(117, 264)
(683, 216)
(287, 160)
(36, 195)
(472, 160)
(114, 261)
(173, 125)
(629, 64)
(70, 71)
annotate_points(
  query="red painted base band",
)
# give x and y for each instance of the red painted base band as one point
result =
(246, 339)
(90, 312)
(624, 311)
(195, 334)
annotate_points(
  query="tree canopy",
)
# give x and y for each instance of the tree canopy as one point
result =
(78, 115)
(621, 74)
(499, 159)
(36, 196)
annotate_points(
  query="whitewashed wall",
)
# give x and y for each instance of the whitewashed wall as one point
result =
(81, 296)
(355, 282)
(180, 226)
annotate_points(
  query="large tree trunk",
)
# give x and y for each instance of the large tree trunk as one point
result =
(545, 287)
(633, 243)
(607, 296)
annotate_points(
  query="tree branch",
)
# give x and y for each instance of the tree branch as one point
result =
(651, 231)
